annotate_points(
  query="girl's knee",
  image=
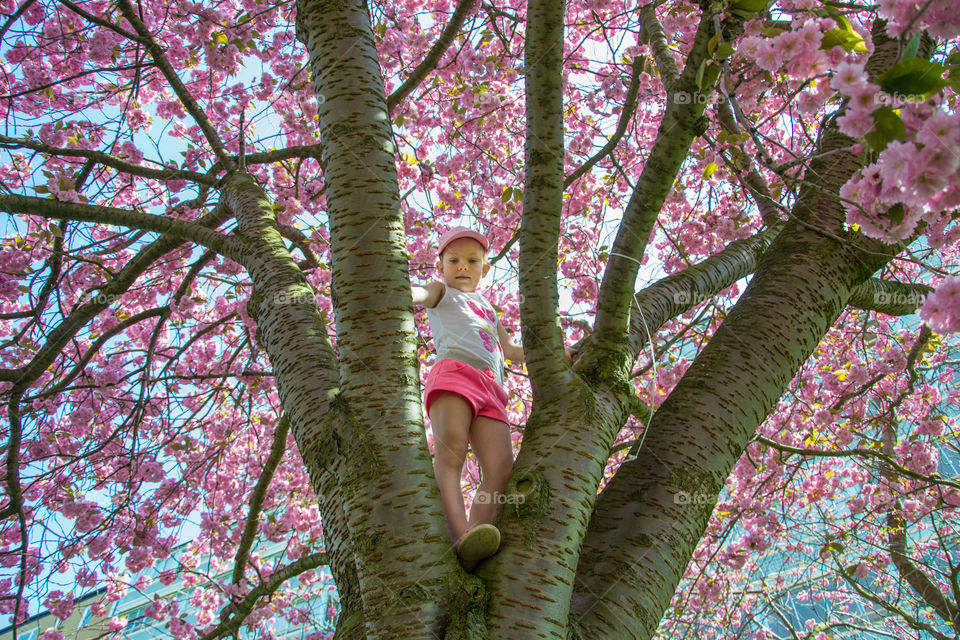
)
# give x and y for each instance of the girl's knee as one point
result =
(450, 457)
(497, 475)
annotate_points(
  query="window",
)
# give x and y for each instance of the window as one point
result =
(85, 620)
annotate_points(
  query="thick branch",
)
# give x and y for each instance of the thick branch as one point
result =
(801, 285)
(377, 422)
(891, 298)
(15, 494)
(927, 589)
(542, 195)
(301, 241)
(677, 293)
(429, 62)
(662, 55)
(170, 227)
(681, 123)
(290, 329)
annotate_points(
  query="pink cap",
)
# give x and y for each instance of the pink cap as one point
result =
(462, 232)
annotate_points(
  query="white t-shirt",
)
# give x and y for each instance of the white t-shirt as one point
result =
(465, 328)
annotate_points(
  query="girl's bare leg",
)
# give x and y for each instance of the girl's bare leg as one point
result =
(490, 440)
(450, 419)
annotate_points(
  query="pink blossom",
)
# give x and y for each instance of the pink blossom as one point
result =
(158, 610)
(941, 309)
(865, 98)
(789, 45)
(751, 46)
(898, 161)
(941, 128)
(932, 428)
(855, 124)
(849, 78)
(767, 58)
(59, 604)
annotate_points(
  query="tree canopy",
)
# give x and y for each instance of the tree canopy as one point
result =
(741, 213)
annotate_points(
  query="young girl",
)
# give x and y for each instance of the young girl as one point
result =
(464, 395)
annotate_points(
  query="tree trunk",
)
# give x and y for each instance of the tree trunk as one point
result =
(406, 572)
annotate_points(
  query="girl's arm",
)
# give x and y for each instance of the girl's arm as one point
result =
(428, 295)
(511, 351)
(514, 352)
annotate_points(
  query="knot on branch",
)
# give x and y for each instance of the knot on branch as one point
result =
(528, 498)
(467, 602)
(356, 447)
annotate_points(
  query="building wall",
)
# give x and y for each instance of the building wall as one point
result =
(81, 625)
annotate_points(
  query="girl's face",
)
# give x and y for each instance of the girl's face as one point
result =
(463, 264)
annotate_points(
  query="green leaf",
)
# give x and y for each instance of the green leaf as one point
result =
(913, 77)
(910, 51)
(712, 44)
(887, 127)
(724, 51)
(749, 6)
(834, 547)
(507, 194)
(219, 37)
(896, 213)
(843, 36)
(710, 169)
(707, 76)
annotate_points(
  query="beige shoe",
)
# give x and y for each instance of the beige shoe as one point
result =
(478, 544)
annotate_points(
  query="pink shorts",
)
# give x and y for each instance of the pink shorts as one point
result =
(478, 388)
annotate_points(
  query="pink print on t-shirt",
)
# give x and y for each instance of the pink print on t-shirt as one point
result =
(487, 341)
(486, 314)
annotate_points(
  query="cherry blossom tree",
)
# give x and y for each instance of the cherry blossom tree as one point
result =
(743, 215)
